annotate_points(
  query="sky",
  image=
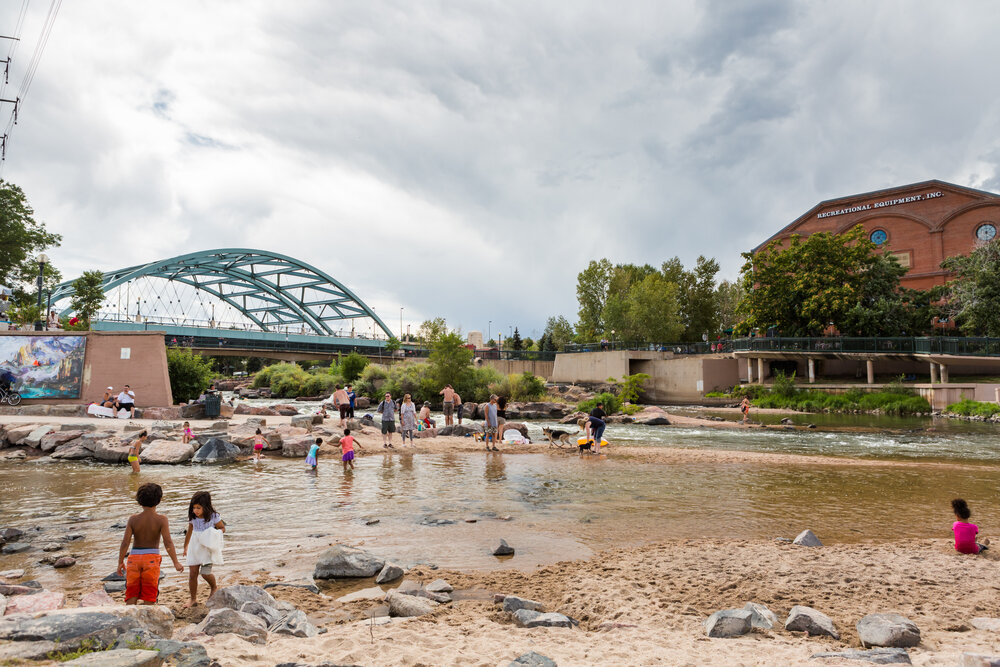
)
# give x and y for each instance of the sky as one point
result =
(468, 159)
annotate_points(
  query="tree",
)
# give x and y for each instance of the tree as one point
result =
(591, 293)
(728, 297)
(559, 333)
(529, 344)
(816, 282)
(515, 341)
(651, 311)
(450, 360)
(431, 330)
(21, 239)
(352, 366)
(392, 345)
(87, 295)
(973, 297)
(190, 374)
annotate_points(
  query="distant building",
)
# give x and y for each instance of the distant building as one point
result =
(476, 339)
(921, 224)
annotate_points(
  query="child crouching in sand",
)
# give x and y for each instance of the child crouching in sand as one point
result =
(965, 532)
(144, 531)
(204, 539)
(347, 445)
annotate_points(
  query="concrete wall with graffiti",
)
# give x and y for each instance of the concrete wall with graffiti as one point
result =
(43, 366)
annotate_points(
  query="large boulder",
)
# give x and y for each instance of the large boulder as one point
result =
(341, 562)
(538, 410)
(162, 414)
(270, 615)
(729, 623)
(216, 450)
(404, 605)
(306, 421)
(32, 604)
(296, 446)
(112, 449)
(15, 433)
(79, 448)
(168, 451)
(192, 411)
(760, 616)
(890, 630)
(234, 597)
(389, 572)
(34, 438)
(517, 426)
(103, 624)
(53, 440)
(296, 624)
(243, 625)
(286, 409)
(123, 657)
(512, 603)
(652, 415)
(807, 619)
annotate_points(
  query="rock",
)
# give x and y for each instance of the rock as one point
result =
(526, 618)
(216, 450)
(532, 659)
(306, 421)
(111, 449)
(390, 572)
(234, 597)
(296, 446)
(17, 653)
(373, 593)
(32, 604)
(977, 660)
(221, 621)
(729, 623)
(80, 448)
(512, 603)
(191, 411)
(16, 589)
(807, 539)
(503, 549)
(891, 630)
(441, 598)
(807, 619)
(53, 440)
(15, 547)
(174, 653)
(11, 534)
(51, 546)
(296, 624)
(305, 585)
(114, 587)
(980, 622)
(65, 561)
(409, 587)
(362, 403)
(878, 656)
(408, 605)
(162, 414)
(96, 599)
(168, 451)
(102, 624)
(3, 604)
(269, 615)
(12, 574)
(439, 586)
(341, 561)
(34, 438)
(125, 657)
(760, 616)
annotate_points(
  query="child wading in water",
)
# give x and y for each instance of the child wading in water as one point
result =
(188, 436)
(313, 453)
(204, 541)
(347, 445)
(133, 451)
(144, 531)
(965, 533)
(258, 445)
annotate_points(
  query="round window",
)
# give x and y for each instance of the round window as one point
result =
(878, 237)
(986, 231)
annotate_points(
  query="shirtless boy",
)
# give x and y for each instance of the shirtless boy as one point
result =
(142, 576)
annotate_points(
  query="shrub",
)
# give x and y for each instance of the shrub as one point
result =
(523, 387)
(853, 400)
(783, 385)
(968, 408)
(612, 403)
(190, 374)
(630, 388)
(351, 366)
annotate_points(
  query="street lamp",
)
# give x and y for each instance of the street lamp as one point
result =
(43, 259)
(400, 323)
(489, 331)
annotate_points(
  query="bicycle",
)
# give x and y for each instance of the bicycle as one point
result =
(10, 397)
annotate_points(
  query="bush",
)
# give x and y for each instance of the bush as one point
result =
(612, 403)
(968, 408)
(523, 387)
(783, 385)
(190, 374)
(630, 388)
(352, 366)
(290, 380)
(851, 401)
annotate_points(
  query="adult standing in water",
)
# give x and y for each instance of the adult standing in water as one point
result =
(490, 424)
(596, 424)
(448, 395)
(387, 409)
(342, 403)
(745, 409)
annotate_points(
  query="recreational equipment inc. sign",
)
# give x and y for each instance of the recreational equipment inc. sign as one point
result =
(881, 204)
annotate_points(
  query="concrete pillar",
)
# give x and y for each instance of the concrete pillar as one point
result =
(934, 373)
(749, 370)
(944, 374)
(871, 371)
(760, 370)
(812, 370)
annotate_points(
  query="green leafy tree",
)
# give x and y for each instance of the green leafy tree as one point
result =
(973, 297)
(652, 311)
(529, 344)
(728, 297)
(87, 295)
(591, 294)
(392, 345)
(431, 330)
(559, 332)
(515, 341)
(450, 360)
(190, 374)
(352, 366)
(21, 239)
(812, 283)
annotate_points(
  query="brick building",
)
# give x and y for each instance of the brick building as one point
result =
(921, 224)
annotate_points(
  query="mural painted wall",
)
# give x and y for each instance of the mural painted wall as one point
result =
(44, 366)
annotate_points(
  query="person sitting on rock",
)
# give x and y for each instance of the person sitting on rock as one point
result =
(425, 420)
(126, 401)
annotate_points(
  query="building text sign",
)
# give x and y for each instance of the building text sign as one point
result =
(881, 204)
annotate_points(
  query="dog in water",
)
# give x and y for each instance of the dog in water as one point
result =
(556, 435)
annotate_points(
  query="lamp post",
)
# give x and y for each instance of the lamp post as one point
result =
(489, 331)
(612, 339)
(43, 259)
(401, 323)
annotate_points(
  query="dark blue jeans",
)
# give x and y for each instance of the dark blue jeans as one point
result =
(598, 431)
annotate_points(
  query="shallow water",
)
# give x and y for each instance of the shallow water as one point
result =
(281, 515)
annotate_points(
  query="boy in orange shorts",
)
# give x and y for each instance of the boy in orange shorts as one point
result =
(142, 575)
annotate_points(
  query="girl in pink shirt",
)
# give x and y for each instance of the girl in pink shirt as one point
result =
(965, 532)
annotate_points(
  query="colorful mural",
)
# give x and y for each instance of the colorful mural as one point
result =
(44, 366)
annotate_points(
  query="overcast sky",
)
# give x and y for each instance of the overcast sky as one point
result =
(467, 159)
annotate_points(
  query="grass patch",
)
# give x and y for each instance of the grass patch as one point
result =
(86, 646)
(968, 408)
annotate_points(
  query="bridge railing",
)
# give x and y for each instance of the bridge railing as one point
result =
(947, 345)
(710, 347)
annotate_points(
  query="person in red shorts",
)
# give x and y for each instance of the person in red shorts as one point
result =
(144, 531)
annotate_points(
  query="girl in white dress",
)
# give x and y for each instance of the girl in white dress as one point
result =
(202, 543)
